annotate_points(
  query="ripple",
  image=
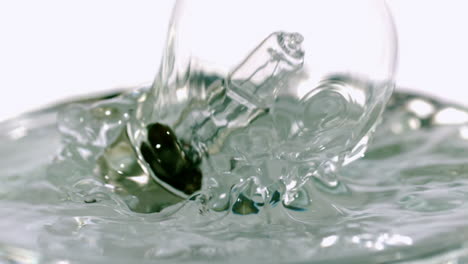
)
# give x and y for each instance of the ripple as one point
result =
(406, 198)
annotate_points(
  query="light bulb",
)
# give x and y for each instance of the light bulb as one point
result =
(256, 97)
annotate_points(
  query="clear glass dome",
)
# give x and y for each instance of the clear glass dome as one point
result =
(295, 87)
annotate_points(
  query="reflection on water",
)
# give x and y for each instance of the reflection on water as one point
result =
(408, 192)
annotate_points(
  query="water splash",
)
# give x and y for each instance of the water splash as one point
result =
(254, 125)
(393, 204)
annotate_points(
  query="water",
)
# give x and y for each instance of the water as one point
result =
(252, 138)
(64, 198)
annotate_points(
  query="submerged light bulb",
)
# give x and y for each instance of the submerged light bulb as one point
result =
(253, 98)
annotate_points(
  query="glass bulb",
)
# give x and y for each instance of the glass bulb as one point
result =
(259, 96)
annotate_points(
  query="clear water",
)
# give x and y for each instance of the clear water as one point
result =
(63, 197)
(261, 131)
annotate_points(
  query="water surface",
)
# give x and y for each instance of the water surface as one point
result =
(406, 199)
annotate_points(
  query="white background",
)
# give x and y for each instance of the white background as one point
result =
(54, 49)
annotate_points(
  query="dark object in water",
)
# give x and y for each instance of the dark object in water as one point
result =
(169, 160)
(90, 200)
